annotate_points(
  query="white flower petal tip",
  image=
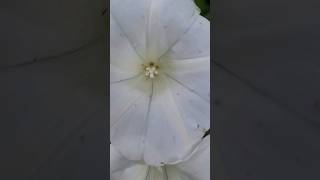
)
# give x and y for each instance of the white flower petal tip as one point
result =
(159, 111)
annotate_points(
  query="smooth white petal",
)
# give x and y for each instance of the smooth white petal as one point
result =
(188, 61)
(153, 26)
(136, 172)
(193, 74)
(124, 169)
(132, 17)
(194, 107)
(168, 21)
(125, 93)
(198, 166)
(117, 74)
(171, 134)
(194, 44)
(128, 113)
(125, 62)
(163, 128)
(117, 161)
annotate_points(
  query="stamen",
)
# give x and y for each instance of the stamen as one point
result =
(151, 70)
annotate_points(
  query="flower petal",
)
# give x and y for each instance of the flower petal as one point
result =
(193, 74)
(117, 161)
(194, 107)
(156, 173)
(198, 166)
(129, 105)
(118, 75)
(171, 135)
(188, 62)
(131, 16)
(176, 174)
(125, 63)
(136, 172)
(168, 21)
(123, 169)
(153, 26)
(194, 44)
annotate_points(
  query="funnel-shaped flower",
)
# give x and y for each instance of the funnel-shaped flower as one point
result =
(159, 81)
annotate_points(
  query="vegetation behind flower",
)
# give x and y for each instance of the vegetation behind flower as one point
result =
(204, 5)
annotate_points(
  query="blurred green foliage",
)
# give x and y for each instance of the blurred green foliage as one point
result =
(204, 5)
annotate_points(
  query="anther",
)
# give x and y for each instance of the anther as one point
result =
(151, 70)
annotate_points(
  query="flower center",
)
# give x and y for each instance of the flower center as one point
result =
(151, 70)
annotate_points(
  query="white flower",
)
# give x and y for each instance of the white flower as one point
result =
(197, 167)
(159, 81)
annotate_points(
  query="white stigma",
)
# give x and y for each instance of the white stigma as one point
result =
(151, 70)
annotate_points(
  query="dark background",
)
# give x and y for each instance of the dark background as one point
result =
(267, 90)
(53, 103)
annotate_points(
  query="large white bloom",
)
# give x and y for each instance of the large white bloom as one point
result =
(159, 81)
(196, 167)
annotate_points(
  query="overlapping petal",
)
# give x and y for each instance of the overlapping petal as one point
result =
(196, 167)
(118, 163)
